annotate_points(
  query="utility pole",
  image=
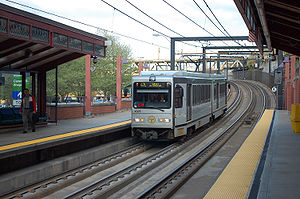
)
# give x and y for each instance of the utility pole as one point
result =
(218, 63)
(280, 87)
(204, 60)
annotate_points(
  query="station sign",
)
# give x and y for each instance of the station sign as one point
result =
(17, 86)
(17, 102)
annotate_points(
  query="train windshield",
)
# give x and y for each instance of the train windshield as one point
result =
(152, 95)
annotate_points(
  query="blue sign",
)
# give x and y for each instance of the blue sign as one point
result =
(17, 94)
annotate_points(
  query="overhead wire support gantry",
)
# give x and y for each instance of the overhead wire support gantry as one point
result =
(214, 38)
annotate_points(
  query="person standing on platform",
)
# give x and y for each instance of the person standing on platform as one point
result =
(27, 109)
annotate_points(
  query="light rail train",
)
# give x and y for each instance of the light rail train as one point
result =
(170, 104)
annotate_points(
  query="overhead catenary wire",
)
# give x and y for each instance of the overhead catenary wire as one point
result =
(156, 21)
(209, 18)
(153, 18)
(134, 19)
(191, 20)
(217, 20)
(89, 25)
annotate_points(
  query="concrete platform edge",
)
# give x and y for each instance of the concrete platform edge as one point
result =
(254, 187)
(28, 176)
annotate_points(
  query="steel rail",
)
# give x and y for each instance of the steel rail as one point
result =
(105, 182)
(160, 189)
(264, 99)
(106, 186)
(237, 97)
(56, 183)
(87, 190)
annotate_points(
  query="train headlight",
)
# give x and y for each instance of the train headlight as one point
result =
(167, 120)
(164, 120)
(139, 119)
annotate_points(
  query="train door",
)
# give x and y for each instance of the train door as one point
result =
(188, 102)
(179, 105)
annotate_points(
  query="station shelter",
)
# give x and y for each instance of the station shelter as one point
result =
(275, 24)
(31, 45)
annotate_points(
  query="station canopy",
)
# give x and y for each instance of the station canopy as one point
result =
(32, 43)
(274, 21)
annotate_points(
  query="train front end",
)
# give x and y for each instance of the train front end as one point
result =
(152, 108)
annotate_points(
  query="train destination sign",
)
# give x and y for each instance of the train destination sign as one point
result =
(152, 84)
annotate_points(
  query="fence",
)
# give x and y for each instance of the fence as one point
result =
(256, 75)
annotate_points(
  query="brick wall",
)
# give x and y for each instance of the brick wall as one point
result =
(74, 111)
(292, 83)
(65, 112)
(126, 104)
(287, 86)
(98, 109)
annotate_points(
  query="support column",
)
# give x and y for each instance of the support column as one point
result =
(227, 64)
(119, 80)
(204, 60)
(140, 67)
(172, 54)
(23, 81)
(280, 88)
(87, 103)
(210, 65)
(42, 93)
(218, 63)
(56, 93)
(244, 69)
(33, 85)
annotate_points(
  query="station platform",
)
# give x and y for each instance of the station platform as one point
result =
(266, 165)
(13, 141)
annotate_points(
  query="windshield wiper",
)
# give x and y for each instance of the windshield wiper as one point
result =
(153, 107)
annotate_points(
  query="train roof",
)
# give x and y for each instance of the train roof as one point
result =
(173, 73)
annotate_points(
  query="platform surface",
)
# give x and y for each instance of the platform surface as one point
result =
(12, 136)
(272, 172)
(281, 174)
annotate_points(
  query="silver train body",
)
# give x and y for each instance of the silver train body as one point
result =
(171, 104)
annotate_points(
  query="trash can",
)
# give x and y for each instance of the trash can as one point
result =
(295, 117)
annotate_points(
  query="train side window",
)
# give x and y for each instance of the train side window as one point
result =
(178, 95)
(208, 93)
(223, 90)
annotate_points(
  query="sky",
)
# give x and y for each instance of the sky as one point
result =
(156, 46)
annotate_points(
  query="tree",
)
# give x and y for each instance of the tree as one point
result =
(71, 77)
(105, 75)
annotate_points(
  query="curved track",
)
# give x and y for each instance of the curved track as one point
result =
(168, 166)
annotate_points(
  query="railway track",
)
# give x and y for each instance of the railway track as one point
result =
(96, 190)
(170, 183)
(159, 172)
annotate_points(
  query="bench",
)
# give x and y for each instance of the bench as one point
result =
(9, 116)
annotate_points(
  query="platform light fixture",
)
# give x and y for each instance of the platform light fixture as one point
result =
(108, 43)
(95, 59)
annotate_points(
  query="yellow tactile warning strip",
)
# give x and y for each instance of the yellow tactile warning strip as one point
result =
(235, 180)
(56, 137)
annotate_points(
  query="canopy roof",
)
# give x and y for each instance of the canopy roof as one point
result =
(275, 22)
(29, 42)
